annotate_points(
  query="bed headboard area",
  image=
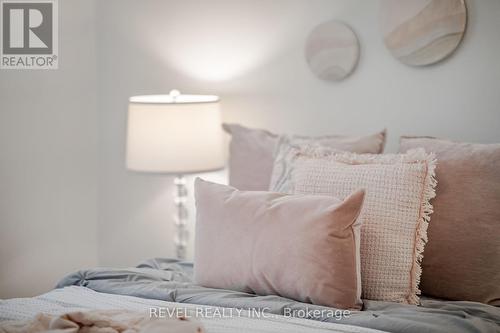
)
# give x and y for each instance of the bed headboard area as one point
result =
(264, 61)
(264, 81)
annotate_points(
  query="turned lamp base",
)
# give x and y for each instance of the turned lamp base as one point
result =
(181, 237)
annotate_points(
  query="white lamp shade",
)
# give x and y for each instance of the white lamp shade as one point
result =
(174, 134)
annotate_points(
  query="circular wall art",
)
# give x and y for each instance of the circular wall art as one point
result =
(422, 32)
(332, 51)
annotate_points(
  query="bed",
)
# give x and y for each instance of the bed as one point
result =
(241, 268)
(167, 283)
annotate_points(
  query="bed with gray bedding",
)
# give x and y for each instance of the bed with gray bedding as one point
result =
(171, 280)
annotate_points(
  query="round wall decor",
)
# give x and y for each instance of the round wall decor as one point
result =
(332, 51)
(422, 32)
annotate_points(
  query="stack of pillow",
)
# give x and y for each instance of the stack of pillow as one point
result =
(331, 220)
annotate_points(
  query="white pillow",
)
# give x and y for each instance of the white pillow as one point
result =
(394, 216)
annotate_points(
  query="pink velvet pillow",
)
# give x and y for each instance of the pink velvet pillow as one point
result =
(252, 152)
(462, 258)
(304, 247)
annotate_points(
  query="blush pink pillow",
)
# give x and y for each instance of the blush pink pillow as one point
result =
(462, 258)
(252, 152)
(304, 247)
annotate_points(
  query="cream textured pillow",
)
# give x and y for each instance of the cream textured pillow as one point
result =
(252, 151)
(304, 247)
(394, 216)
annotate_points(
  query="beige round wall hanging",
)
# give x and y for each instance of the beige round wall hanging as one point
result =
(332, 51)
(422, 32)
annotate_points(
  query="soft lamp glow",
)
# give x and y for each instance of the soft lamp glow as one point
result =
(174, 133)
(218, 41)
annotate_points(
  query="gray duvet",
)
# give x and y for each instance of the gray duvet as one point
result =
(171, 280)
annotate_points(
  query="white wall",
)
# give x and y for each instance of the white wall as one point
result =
(251, 54)
(48, 162)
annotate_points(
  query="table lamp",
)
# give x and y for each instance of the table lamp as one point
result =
(175, 134)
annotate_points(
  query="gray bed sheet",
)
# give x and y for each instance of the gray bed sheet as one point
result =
(171, 280)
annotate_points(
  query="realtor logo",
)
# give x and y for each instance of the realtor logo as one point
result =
(29, 34)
